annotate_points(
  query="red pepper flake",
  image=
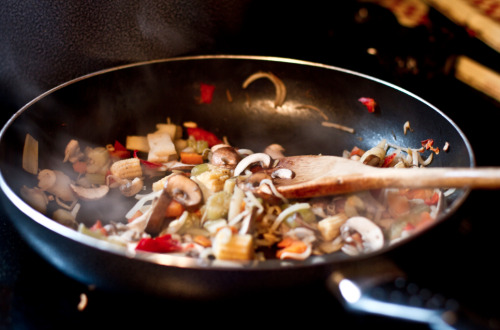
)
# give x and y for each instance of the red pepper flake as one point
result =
(147, 163)
(160, 244)
(369, 103)
(206, 93)
(388, 160)
(429, 144)
(204, 135)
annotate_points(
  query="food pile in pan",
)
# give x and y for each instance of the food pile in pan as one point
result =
(193, 196)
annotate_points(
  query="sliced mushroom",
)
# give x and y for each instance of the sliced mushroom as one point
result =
(36, 198)
(46, 179)
(276, 151)
(217, 146)
(91, 193)
(260, 157)
(56, 183)
(180, 188)
(184, 190)
(65, 218)
(225, 156)
(73, 152)
(372, 235)
(156, 221)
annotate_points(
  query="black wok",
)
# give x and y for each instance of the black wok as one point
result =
(108, 105)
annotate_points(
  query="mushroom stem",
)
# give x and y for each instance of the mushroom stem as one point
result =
(225, 156)
(156, 220)
(180, 188)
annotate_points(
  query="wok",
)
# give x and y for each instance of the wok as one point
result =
(109, 105)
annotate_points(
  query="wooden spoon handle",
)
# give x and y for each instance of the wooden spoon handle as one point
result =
(484, 178)
(474, 178)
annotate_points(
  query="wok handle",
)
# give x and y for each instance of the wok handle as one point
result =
(387, 292)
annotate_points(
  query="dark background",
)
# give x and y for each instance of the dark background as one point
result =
(43, 44)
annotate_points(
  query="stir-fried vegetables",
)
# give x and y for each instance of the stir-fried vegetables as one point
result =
(191, 196)
(190, 199)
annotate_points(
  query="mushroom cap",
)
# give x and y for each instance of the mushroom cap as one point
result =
(260, 157)
(225, 156)
(275, 151)
(72, 152)
(89, 194)
(180, 188)
(46, 179)
(373, 237)
(184, 190)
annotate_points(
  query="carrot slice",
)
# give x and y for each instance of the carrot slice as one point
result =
(137, 214)
(203, 240)
(292, 246)
(174, 209)
(191, 158)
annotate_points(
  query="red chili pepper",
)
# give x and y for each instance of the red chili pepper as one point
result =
(369, 103)
(428, 144)
(388, 160)
(147, 163)
(119, 151)
(206, 93)
(201, 134)
(433, 200)
(160, 244)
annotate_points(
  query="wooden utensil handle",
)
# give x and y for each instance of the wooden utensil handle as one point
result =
(441, 177)
(484, 178)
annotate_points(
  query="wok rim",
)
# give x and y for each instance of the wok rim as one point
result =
(195, 263)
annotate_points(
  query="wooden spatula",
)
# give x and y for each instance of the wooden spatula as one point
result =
(316, 175)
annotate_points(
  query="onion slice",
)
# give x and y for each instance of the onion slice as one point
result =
(278, 84)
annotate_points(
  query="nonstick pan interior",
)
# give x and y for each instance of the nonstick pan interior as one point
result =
(109, 105)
